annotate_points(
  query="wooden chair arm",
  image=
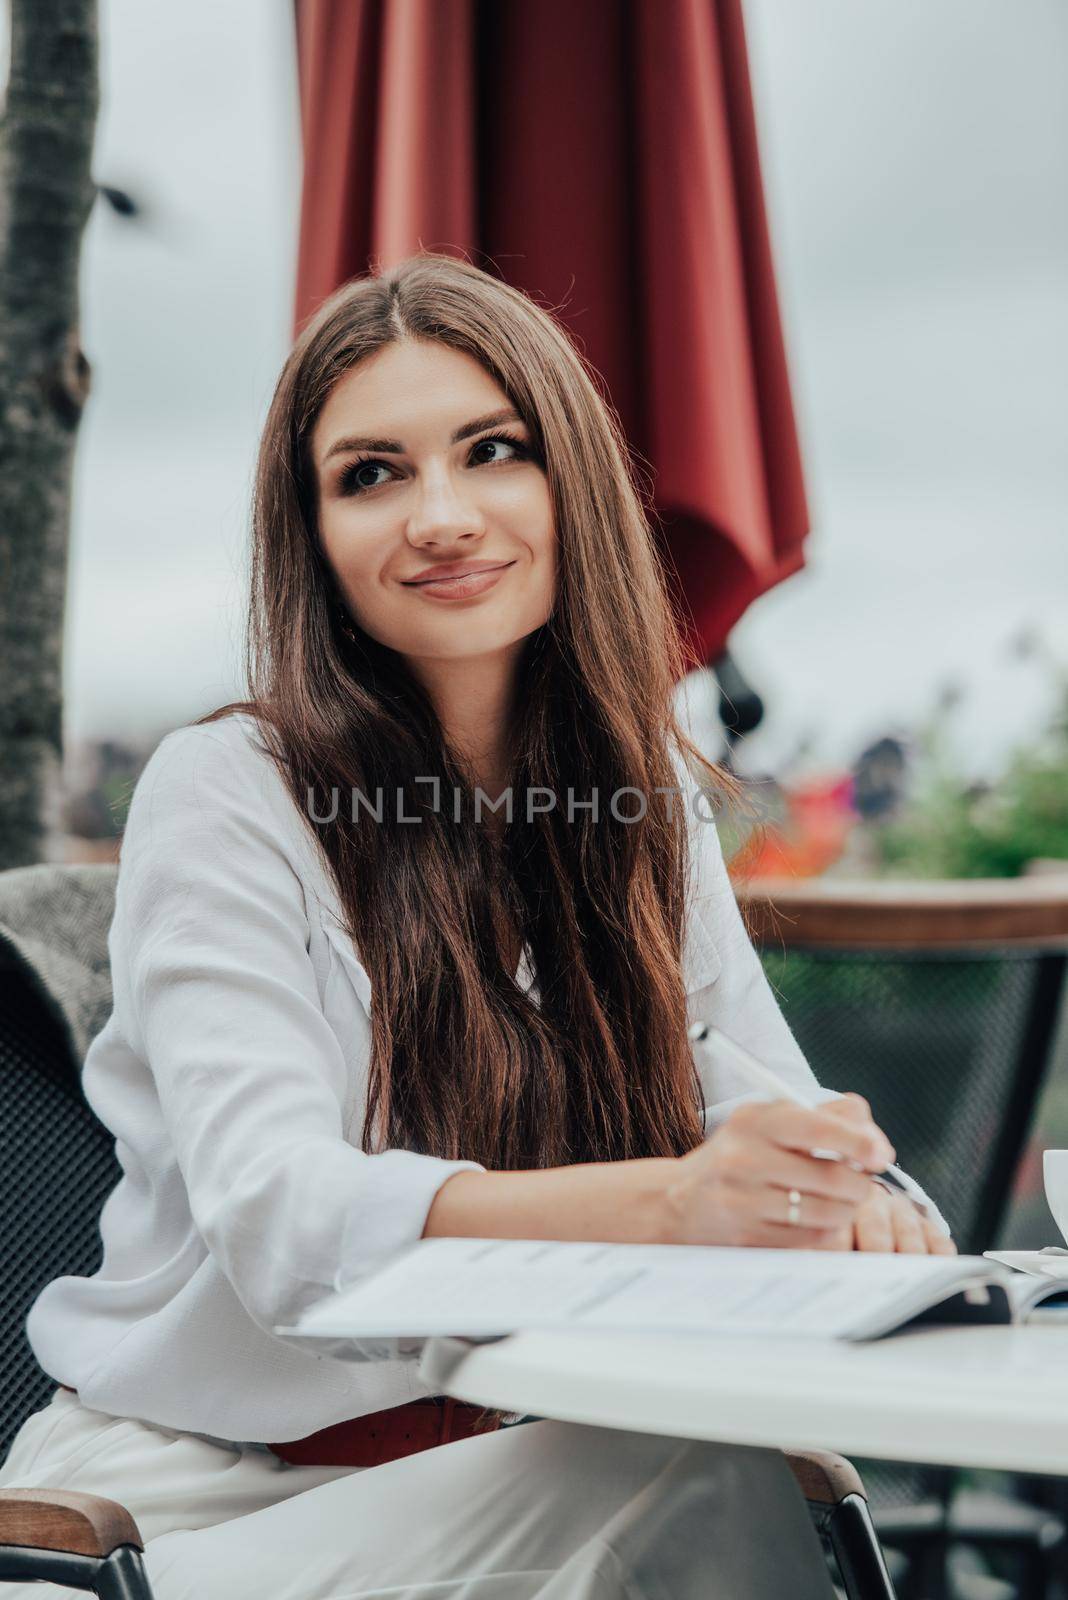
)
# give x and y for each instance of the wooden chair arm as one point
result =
(823, 1478)
(65, 1520)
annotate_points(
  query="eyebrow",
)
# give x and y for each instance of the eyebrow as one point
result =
(393, 446)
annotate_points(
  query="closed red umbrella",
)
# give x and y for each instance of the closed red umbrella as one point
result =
(603, 157)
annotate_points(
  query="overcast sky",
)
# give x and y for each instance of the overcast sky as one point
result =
(916, 162)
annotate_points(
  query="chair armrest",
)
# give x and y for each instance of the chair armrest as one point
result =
(65, 1520)
(884, 913)
(823, 1478)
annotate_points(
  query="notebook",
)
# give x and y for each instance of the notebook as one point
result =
(1043, 1263)
(489, 1288)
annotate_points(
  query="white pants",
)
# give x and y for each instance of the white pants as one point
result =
(542, 1511)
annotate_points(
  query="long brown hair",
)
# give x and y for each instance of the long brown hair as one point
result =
(463, 1062)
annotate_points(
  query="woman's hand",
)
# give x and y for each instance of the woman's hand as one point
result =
(735, 1188)
(887, 1221)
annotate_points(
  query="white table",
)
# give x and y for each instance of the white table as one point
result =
(974, 1397)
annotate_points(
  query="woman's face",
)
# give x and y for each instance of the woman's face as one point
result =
(425, 468)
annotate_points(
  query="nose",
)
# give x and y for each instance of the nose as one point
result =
(443, 511)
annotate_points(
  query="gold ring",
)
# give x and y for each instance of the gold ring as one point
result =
(793, 1215)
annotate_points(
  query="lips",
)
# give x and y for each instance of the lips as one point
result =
(447, 572)
(466, 586)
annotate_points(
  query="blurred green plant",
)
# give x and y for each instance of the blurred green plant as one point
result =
(949, 828)
(100, 778)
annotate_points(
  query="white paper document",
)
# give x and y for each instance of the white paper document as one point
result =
(485, 1288)
(1036, 1261)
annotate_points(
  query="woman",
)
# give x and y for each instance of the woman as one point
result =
(505, 1055)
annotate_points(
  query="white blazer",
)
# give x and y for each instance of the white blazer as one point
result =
(233, 1072)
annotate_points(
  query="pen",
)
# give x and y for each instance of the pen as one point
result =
(711, 1038)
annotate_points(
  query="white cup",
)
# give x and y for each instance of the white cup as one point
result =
(1055, 1172)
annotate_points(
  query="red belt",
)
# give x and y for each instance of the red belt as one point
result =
(381, 1436)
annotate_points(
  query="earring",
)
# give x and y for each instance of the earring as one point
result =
(344, 623)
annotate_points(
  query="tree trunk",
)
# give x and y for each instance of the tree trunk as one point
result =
(46, 192)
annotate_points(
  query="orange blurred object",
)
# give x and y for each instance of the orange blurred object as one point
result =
(819, 820)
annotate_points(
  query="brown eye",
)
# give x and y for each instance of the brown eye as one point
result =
(358, 476)
(513, 445)
(353, 479)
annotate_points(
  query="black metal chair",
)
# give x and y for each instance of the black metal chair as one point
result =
(939, 1003)
(57, 1166)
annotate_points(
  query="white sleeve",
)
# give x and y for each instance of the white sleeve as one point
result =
(742, 1003)
(213, 974)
